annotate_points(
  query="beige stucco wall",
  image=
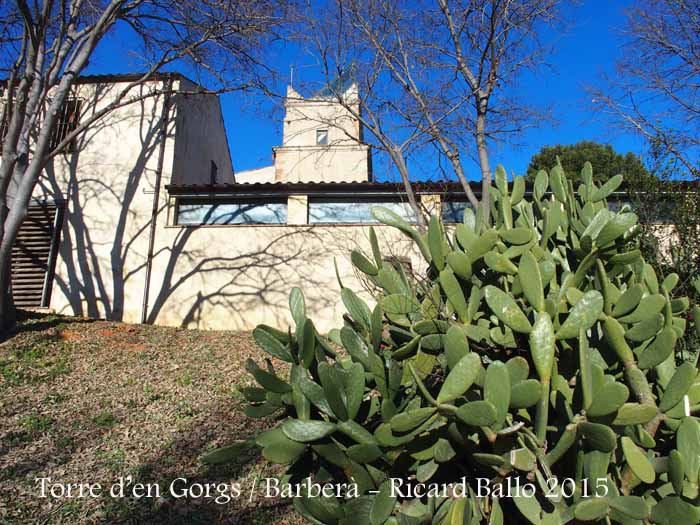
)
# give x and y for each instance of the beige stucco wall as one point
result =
(212, 277)
(300, 159)
(345, 163)
(262, 175)
(235, 277)
(303, 116)
(108, 189)
(667, 237)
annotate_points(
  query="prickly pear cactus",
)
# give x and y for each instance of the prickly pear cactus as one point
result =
(530, 377)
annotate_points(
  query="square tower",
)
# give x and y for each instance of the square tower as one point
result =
(322, 139)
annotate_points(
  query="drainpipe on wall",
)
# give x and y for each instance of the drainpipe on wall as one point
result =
(156, 195)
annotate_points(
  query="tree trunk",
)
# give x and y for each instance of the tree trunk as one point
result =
(484, 165)
(8, 314)
(10, 222)
(400, 162)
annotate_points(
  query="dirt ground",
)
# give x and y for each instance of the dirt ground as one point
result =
(85, 401)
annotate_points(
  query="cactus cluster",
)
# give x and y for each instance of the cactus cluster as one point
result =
(538, 348)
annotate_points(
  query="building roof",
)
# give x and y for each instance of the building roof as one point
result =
(130, 77)
(318, 188)
(339, 85)
(348, 188)
(113, 78)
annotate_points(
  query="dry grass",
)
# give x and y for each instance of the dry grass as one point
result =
(90, 401)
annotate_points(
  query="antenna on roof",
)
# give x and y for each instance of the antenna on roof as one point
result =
(292, 67)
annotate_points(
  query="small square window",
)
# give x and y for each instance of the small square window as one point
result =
(322, 137)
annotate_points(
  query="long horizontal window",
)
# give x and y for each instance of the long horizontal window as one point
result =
(617, 203)
(453, 211)
(347, 211)
(197, 212)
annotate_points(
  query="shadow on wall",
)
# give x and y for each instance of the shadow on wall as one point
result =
(245, 280)
(105, 237)
(94, 277)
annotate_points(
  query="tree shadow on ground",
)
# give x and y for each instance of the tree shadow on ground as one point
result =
(132, 400)
(31, 321)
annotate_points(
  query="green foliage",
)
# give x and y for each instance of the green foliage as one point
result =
(606, 162)
(538, 346)
(661, 202)
(104, 419)
(35, 423)
(669, 216)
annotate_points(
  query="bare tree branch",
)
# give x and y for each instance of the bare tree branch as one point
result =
(46, 45)
(656, 90)
(438, 73)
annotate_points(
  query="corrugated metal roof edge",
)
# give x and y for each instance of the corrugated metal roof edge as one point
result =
(420, 187)
(368, 186)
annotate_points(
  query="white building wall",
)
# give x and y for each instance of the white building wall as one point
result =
(236, 277)
(108, 187)
(211, 277)
(303, 116)
(343, 159)
(322, 164)
(262, 175)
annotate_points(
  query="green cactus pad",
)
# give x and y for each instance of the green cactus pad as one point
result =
(582, 316)
(306, 431)
(608, 399)
(637, 460)
(506, 309)
(460, 378)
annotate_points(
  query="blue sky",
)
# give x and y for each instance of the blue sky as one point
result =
(587, 51)
(582, 54)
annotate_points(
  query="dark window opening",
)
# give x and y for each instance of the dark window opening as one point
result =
(322, 137)
(66, 122)
(213, 170)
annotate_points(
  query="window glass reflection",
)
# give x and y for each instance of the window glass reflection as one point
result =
(349, 212)
(195, 213)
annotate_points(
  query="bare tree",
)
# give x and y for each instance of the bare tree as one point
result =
(655, 92)
(433, 74)
(46, 45)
